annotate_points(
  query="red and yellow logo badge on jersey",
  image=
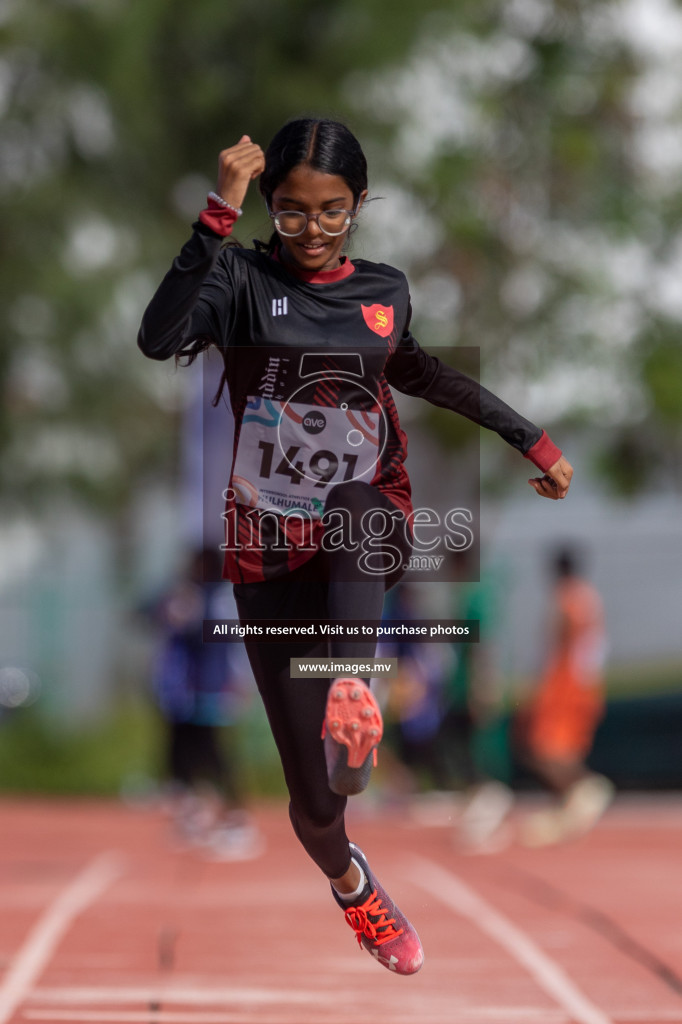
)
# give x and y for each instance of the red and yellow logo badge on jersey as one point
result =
(379, 319)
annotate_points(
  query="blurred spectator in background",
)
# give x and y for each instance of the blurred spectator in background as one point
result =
(556, 729)
(473, 724)
(200, 688)
(412, 705)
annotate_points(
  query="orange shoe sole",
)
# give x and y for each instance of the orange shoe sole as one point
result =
(354, 719)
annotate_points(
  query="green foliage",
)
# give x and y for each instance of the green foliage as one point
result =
(624, 463)
(94, 760)
(662, 372)
(119, 755)
(114, 116)
(122, 755)
(512, 124)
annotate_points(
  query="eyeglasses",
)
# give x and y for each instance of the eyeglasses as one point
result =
(292, 222)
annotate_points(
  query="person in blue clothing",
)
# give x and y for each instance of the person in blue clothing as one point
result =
(414, 698)
(200, 689)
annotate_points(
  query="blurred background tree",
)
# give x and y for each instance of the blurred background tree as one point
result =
(524, 150)
(543, 143)
(525, 156)
(113, 114)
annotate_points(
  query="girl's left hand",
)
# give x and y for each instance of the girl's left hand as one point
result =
(556, 481)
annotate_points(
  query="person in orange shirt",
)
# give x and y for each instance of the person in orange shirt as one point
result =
(561, 719)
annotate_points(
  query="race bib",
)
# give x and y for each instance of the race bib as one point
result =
(291, 453)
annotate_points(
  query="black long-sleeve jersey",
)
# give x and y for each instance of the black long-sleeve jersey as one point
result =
(310, 360)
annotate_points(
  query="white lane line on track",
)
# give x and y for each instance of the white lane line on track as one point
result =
(239, 1005)
(45, 936)
(486, 1015)
(201, 994)
(134, 1017)
(242, 1016)
(453, 892)
(469, 1016)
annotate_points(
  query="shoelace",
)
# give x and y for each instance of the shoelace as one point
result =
(360, 920)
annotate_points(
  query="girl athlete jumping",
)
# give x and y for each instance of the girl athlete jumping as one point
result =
(318, 513)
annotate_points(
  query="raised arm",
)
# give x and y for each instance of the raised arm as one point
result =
(182, 308)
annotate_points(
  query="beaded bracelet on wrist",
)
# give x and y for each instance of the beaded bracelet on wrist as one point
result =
(223, 202)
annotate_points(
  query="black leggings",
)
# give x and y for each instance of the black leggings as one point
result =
(328, 586)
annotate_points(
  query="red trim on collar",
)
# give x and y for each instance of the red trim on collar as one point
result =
(319, 276)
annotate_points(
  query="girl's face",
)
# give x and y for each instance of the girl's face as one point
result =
(313, 192)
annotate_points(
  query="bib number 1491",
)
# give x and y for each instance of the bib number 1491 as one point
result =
(322, 467)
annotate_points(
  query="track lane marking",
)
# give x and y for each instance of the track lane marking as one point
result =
(549, 976)
(45, 936)
(243, 1017)
(170, 993)
(203, 1002)
(135, 1017)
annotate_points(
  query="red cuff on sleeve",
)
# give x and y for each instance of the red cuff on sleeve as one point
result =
(544, 453)
(218, 218)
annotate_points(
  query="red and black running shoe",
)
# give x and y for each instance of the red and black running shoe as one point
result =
(380, 926)
(352, 729)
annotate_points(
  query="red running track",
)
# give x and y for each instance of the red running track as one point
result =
(102, 920)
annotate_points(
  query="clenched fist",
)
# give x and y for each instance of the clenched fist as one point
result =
(237, 167)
